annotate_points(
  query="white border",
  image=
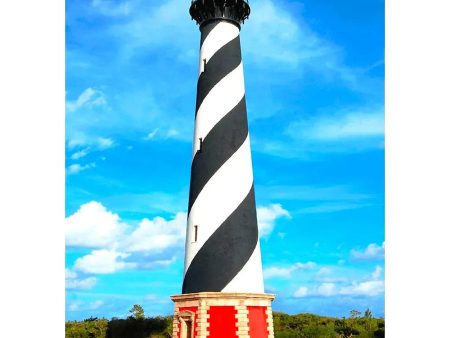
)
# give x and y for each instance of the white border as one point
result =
(417, 168)
(32, 168)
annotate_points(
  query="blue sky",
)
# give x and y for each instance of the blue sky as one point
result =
(314, 75)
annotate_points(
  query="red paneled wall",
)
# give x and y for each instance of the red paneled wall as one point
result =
(257, 321)
(222, 322)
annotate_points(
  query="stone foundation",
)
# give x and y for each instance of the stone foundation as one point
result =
(223, 315)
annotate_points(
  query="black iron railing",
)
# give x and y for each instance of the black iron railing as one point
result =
(234, 10)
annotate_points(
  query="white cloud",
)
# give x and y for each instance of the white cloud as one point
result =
(301, 292)
(73, 282)
(75, 305)
(119, 247)
(343, 131)
(88, 98)
(373, 286)
(168, 18)
(368, 288)
(155, 299)
(334, 193)
(158, 263)
(76, 168)
(285, 272)
(377, 273)
(157, 235)
(152, 134)
(79, 154)
(267, 217)
(278, 272)
(372, 252)
(337, 127)
(324, 271)
(326, 289)
(308, 265)
(91, 144)
(290, 44)
(324, 276)
(78, 305)
(286, 39)
(103, 262)
(105, 143)
(332, 279)
(93, 226)
(112, 8)
(171, 133)
(96, 304)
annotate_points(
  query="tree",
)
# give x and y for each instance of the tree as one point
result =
(368, 319)
(355, 314)
(344, 330)
(137, 312)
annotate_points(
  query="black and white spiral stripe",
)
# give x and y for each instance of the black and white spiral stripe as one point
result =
(225, 256)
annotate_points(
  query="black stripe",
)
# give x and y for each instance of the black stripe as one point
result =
(206, 29)
(218, 146)
(226, 252)
(221, 64)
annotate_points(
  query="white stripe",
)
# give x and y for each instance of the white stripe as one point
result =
(218, 199)
(221, 34)
(222, 98)
(250, 278)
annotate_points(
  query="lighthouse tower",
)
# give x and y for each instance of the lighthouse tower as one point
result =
(223, 292)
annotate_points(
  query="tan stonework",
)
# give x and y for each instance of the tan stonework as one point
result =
(269, 322)
(241, 320)
(203, 300)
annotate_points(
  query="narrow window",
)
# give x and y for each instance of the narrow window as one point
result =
(201, 144)
(195, 232)
(204, 64)
(188, 329)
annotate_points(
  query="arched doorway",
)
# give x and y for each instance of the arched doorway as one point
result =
(186, 320)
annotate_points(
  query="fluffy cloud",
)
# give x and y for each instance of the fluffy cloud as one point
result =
(88, 98)
(285, 272)
(170, 133)
(346, 125)
(74, 282)
(377, 273)
(103, 262)
(105, 143)
(118, 245)
(78, 305)
(326, 289)
(79, 154)
(372, 252)
(301, 292)
(93, 226)
(267, 217)
(368, 288)
(373, 286)
(76, 168)
(157, 235)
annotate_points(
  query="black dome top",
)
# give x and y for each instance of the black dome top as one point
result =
(205, 10)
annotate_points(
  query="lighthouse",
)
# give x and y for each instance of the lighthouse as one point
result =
(222, 291)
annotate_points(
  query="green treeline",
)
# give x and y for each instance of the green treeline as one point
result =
(286, 326)
(307, 325)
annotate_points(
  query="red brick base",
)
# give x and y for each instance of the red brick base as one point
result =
(223, 315)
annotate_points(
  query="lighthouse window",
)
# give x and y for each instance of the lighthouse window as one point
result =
(195, 232)
(201, 144)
